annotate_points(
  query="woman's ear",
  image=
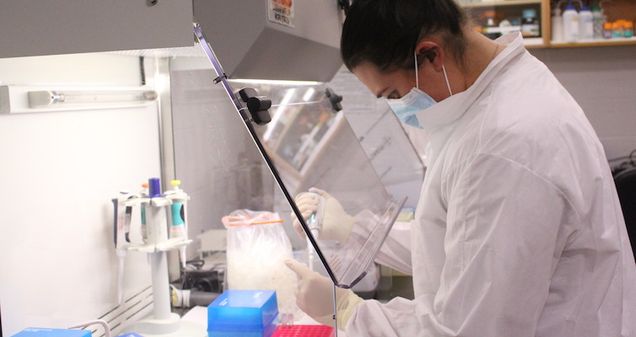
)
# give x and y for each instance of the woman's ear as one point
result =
(431, 51)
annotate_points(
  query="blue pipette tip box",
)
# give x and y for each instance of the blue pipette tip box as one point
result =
(45, 332)
(244, 313)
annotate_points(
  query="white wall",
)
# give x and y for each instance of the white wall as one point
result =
(603, 82)
(58, 172)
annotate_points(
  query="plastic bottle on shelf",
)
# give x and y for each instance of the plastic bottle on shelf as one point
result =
(629, 29)
(570, 23)
(530, 24)
(586, 24)
(557, 25)
(617, 29)
(607, 30)
(597, 15)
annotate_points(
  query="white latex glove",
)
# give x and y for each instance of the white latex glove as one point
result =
(314, 296)
(334, 223)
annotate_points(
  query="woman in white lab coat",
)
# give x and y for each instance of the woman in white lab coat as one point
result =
(518, 231)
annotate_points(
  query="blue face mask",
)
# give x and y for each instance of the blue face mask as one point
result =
(408, 106)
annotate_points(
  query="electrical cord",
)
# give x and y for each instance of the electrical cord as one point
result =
(95, 322)
(197, 264)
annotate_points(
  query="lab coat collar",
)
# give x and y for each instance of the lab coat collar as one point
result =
(452, 108)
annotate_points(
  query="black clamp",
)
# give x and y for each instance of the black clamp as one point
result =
(334, 99)
(220, 78)
(257, 105)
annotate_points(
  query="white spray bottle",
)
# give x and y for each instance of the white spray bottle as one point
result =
(570, 23)
(586, 23)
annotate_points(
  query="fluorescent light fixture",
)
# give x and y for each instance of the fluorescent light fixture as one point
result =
(43, 98)
(288, 96)
(307, 96)
(31, 99)
(276, 82)
(279, 113)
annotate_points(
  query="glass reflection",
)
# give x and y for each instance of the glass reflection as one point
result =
(336, 188)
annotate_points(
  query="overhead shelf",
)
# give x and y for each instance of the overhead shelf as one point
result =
(505, 9)
(595, 43)
(498, 3)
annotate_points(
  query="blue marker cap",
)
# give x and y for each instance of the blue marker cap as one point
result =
(154, 187)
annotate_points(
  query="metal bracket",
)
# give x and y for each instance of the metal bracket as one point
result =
(220, 78)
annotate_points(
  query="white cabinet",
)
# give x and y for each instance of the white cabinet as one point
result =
(37, 27)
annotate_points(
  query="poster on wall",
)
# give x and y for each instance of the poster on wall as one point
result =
(281, 12)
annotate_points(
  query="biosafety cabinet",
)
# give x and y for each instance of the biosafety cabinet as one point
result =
(97, 96)
(35, 27)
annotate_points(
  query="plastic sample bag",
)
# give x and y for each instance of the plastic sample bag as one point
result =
(257, 247)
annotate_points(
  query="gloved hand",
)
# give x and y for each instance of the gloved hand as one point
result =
(334, 223)
(314, 296)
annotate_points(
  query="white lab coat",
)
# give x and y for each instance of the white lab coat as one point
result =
(518, 230)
